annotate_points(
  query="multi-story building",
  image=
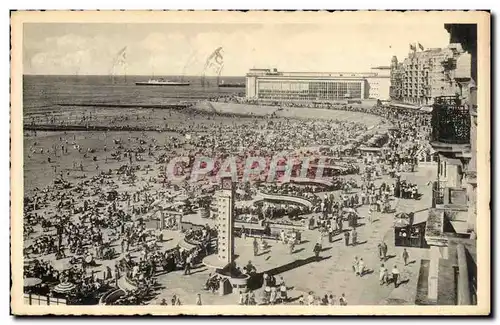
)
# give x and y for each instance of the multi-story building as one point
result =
(271, 84)
(396, 75)
(451, 226)
(426, 75)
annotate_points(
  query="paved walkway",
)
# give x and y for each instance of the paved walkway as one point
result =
(333, 274)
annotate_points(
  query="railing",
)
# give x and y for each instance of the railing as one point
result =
(450, 121)
(32, 299)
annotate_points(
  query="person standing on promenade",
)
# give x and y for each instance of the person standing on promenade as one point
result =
(198, 299)
(291, 246)
(383, 274)
(316, 250)
(255, 246)
(320, 241)
(395, 276)
(187, 266)
(384, 251)
(405, 256)
(354, 236)
(346, 237)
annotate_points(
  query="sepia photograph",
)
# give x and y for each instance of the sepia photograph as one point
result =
(250, 163)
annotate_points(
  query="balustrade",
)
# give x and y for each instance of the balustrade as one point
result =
(450, 121)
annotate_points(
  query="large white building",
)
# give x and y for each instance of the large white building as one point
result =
(271, 84)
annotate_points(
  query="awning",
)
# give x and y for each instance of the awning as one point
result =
(427, 109)
(401, 223)
(420, 217)
(404, 219)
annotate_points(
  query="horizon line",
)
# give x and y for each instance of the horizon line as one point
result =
(122, 75)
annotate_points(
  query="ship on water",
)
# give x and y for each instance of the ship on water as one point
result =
(231, 84)
(162, 82)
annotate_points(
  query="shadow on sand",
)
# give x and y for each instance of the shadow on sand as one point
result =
(295, 264)
(257, 280)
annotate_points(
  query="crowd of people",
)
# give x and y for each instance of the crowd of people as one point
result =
(326, 300)
(406, 190)
(104, 195)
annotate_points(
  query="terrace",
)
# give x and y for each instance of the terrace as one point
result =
(451, 125)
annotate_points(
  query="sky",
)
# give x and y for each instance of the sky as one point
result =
(183, 48)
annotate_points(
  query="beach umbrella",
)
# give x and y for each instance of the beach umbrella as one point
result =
(64, 287)
(31, 282)
(402, 220)
(400, 223)
(402, 215)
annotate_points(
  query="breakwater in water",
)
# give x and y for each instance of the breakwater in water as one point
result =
(114, 105)
(57, 127)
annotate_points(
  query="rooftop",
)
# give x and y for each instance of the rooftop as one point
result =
(275, 73)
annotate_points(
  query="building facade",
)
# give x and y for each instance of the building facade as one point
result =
(396, 76)
(425, 75)
(379, 85)
(271, 84)
(451, 227)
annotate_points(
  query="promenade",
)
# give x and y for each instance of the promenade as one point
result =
(333, 274)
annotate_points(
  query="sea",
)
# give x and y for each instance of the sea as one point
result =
(42, 94)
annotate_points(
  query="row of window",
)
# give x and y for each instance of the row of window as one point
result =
(309, 97)
(293, 90)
